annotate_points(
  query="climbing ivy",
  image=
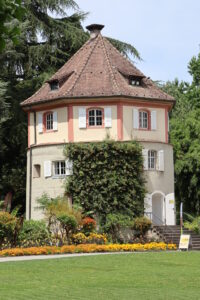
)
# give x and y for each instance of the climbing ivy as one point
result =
(107, 177)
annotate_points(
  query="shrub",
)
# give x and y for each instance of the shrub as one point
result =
(114, 223)
(193, 224)
(79, 238)
(68, 225)
(61, 217)
(142, 225)
(95, 238)
(9, 227)
(89, 225)
(92, 238)
(34, 233)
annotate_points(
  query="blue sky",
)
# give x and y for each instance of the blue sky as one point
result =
(165, 32)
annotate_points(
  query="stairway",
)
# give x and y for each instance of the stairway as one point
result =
(171, 234)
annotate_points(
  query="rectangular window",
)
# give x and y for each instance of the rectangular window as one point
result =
(49, 121)
(151, 160)
(36, 171)
(92, 117)
(54, 85)
(143, 120)
(95, 117)
(59, 168)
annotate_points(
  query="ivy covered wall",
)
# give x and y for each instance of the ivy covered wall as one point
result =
(107, 177)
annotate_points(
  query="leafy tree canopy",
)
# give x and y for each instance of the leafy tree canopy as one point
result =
(185, 137)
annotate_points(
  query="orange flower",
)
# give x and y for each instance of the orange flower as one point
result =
(87, 248)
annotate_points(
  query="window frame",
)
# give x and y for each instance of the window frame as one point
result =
(36, 171)
(150, 157)
(148, 119)
(45, 122)
(54, 85)
(59, 168)
(95, 117)
(135, 81)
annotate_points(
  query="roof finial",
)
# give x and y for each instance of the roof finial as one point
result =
(94, 29)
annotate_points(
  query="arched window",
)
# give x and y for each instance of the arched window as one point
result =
(152, 155)
(95, 117)
(144, 122)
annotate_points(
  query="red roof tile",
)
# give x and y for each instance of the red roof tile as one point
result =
(97, 70)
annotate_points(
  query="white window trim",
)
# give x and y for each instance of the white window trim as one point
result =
(95, 117)
(150, 156)
(54, 169)
(50, 113)
(141, 113)
(68, 168)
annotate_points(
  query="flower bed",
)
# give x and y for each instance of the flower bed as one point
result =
(86, 248)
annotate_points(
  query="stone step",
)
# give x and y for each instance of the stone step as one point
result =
(171, 234)
(195, 244)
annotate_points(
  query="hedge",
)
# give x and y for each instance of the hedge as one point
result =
(107, 177)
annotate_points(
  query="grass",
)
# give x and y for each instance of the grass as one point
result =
(127, 276)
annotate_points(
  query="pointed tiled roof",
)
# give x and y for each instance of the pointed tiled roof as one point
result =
(97, 70)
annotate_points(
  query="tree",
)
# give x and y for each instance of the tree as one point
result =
(185, 138)
(11, 12)
(3, 108)
(45, 43)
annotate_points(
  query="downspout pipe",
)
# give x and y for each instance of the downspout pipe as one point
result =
(31, 167)
(30, 182)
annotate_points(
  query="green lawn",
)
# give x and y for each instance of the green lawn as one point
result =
(128, 276)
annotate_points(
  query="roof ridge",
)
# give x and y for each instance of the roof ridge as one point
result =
(109, 64)
(123, 56)
(84, 65)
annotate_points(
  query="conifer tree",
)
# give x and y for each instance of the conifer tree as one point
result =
(48, 38)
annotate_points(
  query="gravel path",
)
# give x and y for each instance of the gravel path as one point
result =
(36, 257)
(53, 256)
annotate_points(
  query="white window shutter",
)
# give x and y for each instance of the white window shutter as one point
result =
(135, 118)
(68, 167)
(40, 123)
(82, 117)
(108, 117)
(55, 120)
(145, 158)
(47, 168)
(153, 120)
(161, 165)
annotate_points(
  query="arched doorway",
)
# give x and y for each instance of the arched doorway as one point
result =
(158, 208)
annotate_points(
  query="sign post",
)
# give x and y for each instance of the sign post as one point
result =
(181, 217)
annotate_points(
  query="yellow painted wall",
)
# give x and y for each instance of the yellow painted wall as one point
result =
(129, 132)
(98, 134)
(94, 134)
(58, 136)
(31, 128)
